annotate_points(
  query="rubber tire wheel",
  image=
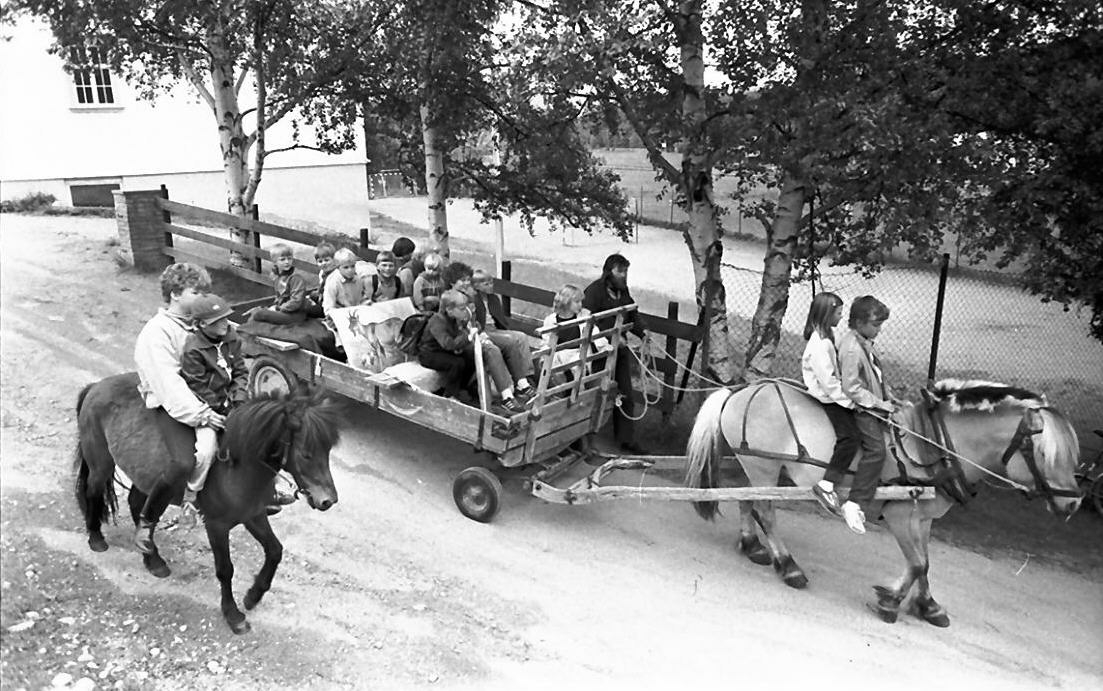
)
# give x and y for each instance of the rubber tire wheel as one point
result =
(269, 375)
(1095, 494)
(478, 494)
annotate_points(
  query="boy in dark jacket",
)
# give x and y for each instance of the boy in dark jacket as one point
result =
(214, 369)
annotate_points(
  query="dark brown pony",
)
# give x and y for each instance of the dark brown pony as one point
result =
(263, 436)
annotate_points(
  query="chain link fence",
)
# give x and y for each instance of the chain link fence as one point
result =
(991, 330)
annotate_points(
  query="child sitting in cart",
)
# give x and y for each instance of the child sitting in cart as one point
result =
(291, 302)
(448, 346)
(429, 284)
(567, 305)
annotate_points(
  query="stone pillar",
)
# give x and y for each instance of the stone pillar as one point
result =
(141, 229)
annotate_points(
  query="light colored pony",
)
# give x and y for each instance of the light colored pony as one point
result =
(772, 425)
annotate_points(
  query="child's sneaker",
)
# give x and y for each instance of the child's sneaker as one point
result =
(512, 406)
(189, 515)
(855, 519)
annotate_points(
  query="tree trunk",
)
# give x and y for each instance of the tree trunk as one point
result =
(781, 242)
(231, 135)
(702, 235)
(435, 185)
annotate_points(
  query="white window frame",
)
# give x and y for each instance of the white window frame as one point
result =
(91, 85)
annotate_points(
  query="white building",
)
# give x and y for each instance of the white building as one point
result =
(77, 136)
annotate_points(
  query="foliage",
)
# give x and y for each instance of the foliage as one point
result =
(905, 121)
(1027, 85)
(510, 148)
(35, 202)
(289, 51)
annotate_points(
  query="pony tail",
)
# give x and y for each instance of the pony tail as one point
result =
(703, 451)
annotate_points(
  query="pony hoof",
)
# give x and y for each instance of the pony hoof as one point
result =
(156, 565)
(885, 614)
(250, 601)
(240, 627)
(97, 544)
(796, 580)
(932, 614)
(755, 551)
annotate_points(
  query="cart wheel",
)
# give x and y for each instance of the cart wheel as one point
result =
(1095, 495)
(477, 493)
(269, 375)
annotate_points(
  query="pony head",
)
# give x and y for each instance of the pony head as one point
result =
(1042, 450)
(313, 420)
(293, 433)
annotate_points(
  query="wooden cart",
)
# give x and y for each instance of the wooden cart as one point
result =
(540, 438)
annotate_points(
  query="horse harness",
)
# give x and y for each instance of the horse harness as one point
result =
(950, 478)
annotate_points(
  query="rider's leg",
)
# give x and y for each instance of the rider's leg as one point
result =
(206, 448)
(868, 471)
(180, 440)
(499, 372)
(847, 442)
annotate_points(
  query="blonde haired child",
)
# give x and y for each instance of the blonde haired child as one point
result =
(429, 284)
(290, 303)
(567, 305)
(820, 369)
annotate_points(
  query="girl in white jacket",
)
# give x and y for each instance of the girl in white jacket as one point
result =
(820, 368)
(567, 305)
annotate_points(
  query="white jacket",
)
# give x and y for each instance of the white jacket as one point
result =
(157, 354)
(569, 355)
(819, 365)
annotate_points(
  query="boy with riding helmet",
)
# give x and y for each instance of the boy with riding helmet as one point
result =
(215, 371)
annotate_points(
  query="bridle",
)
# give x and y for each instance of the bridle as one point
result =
(1023, 442)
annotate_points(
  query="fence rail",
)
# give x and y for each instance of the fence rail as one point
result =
(161, 220)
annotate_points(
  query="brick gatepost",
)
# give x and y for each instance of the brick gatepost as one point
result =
(141, 229)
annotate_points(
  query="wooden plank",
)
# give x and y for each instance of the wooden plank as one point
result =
(218, 218)
(277, 345)
(247, 250)
(444, 415)
(544, 446)
(247, 274)
(583, 495)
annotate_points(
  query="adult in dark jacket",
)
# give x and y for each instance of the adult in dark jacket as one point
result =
(607, 292)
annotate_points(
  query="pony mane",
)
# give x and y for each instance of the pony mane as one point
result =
(1058, 444)
(255, 425)
(959, 394)
(320, 419)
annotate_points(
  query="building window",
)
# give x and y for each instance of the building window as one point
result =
(91, 77)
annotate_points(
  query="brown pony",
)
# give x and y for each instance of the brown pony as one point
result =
(997, 430)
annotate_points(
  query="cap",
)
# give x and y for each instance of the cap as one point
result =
(207, 309)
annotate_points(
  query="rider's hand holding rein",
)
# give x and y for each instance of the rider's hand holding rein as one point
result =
(214, 420)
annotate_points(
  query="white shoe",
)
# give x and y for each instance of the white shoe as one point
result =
(855, 519)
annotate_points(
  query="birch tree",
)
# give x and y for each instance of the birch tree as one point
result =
(287, 52)
(459, 96)
(798, 100)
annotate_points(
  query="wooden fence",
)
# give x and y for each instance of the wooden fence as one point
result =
(149, 223)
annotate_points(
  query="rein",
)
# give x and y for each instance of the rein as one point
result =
(1022, 442)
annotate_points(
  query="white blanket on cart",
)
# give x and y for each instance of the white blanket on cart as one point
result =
(370, 337)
